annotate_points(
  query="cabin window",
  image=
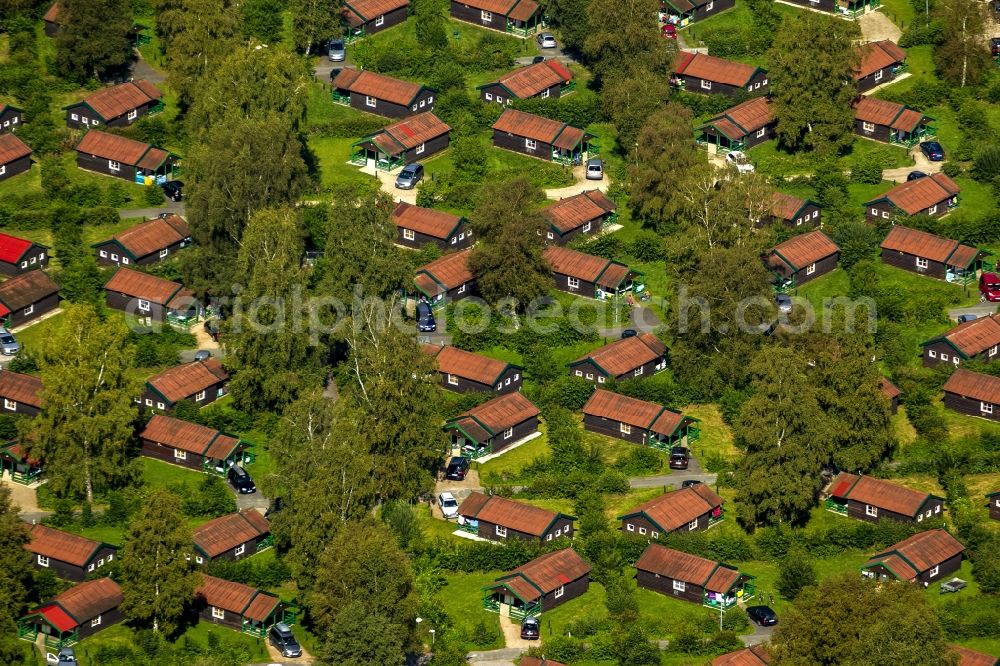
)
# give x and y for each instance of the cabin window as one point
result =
(164, 252)
(590, 376)
(133, 114)
(764, 82)
(517, 376)
(878, 75)
(921, 262)
(103, 253)
(561, 590)
(14, 120)
(530, 144)
(125, 260)
(95, 123)
(501, 530)
(24, 264)
(885, 214)
(586, 227)
(709, 6)
(487, 17)
(240, 549)
(750, 88)
(43, 561)
(34, 260)
(3, 169)
(180, 455)
(579, 373)
(421, 148)
(931, 353)
(871, 510)
(499, 385)
(868, 127)
(693, 525)
(111, 556)
(199, 559)
(707, 85)
(655, 535)
(508, 433)
(986, 407)
(96, 621)
(460, 237)
(380, 20)
(218, 613)
(114, 166)
(461, 290)
(937, 509)
(637, 371)
(642, 530)
(954, 359)
(945, 357)
(143, 305)
(545, 93)
(798, 222)
(499, 99)
(600, 380)
(631, 528)
(10, 404)
(430, 99)
(875, 212)
(507, 381)
(932, 209)
(811, 268)
(370, 101)
(199, 396)
(625, 428)
(74, 116)
(453, 380)
(993, 350)
(573, 283)
(933, 572)
(550, 235)
(815, 214)
(90, 568)
(160, 405)
(761, 132)
(149, 403)
(489, 97)
(548, 537)
(680, 586)
(413, 108)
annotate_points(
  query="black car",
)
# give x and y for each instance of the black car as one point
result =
(425, 318)
(629, 333)
(762, 615)
(689, 483)
(172, 189)
(679, 458)
(458, 467)
(915, 175)
(537, 59)
(241, 481)
(530, 628)
(933, 150)
(283, 639)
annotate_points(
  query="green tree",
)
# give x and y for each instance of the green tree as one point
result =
(570, 16)
(314, 22)
(851, 621)
(262, 20)
(764, 15)
(963, 56)
(158, 578)
(15, 575)
(429, 24)
(623, 36)
(812, 63)
(795, 572)
(358, 637)
(778, 428)
(93, 40)
(82, 433)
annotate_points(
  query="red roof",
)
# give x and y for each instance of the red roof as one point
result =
(743, 119)
(237, 598)
(678, 508)
(545, 574)
(81, 603)
(121, 149)
(975, 385)
(25, 289)
(183, 381)
(800, 251)
(410, 133)
(508, 513)
(115, 101)
(12, 148)
(717, 70)
(678, 565)
(787, 206)
(973, 337)
(632, 411)
(380, 86)
(877, 55)
(149, 287)
(13, 248)
(190, 437)
(881, 112)
(879, 493)
(445, 273)
(63, 546)
(926, 245)
(227, 532)
(755, 655)
(496, 415)
(575, 211)
(427, 221)
(26, 389)
(921, 552)
(153, 235)
(889, 389)
(587, 267)
(519, 10)
(367, 10)
(533, 79)
(461, 363)
(625, 355)
(530, 126)
(54, 14)
(918, 195)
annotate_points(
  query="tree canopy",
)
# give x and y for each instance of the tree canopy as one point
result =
(94, 39)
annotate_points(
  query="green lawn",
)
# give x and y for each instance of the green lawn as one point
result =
(462, 600)
(716, 437)
(159, 474)
(773, 161)
(729, 20)
(899, 12)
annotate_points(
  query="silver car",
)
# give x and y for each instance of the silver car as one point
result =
(8, 345)
(546, 40)
(336, 51)
(595, 169)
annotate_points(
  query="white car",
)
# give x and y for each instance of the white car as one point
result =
(546, 40)
(739, 159)
(449, 505)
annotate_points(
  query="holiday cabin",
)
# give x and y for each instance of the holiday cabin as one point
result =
(383, 95)
(18, 255)
(464, 371)
(708, 75)
(232, 537)
(804, 257)
(927, 254)
(891, 393)
(994, 505)
(15, 156)
(889, 122)
(121, 157)
(966, 657)
(870, 499)
(691, 578)
(584, 274)
(22, 394)
(415, 138)
(201, 382)
(445, 279)
(367, 17)
(146, 243)
(973, 394)
(544, 80)
(755, 655)
(638, 356)
(688, 510)
(418, 226)
(70, 556)
(743, 126)
(190, 445)
(977, 340)
(879, 63)
(497, 518)
(793, 211)
(144, 295)
(637, 421)
(491, 427)
(922, 558)
(11, 118)
(80, 611)
(239, 607)
(114, 106)
(27, 297)
(581, 214)
(685, 12)
(540, 585)
(535, 136)
(53, 19)
(518, 17)
(934, 195)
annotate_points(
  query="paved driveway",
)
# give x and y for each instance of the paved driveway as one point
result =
(176, 207)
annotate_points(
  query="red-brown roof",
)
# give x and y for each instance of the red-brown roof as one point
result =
(523, 10)
(877, 55)
(514, 9)
(501, 412)
(627, 354)
(918, 553)
(410, 133)
(476, 367)
(879, 493)
(88, 600)
(920, 194)
(545, 574)
(447, 272)
(678, 565)
(148, 287)
(635, 412)
(881, 112)
(926, 245)
(237, 598)
(966, 657)
(427, 221)
(744, 118)
(183, 381)
(575, 211)
(12, 148)
(678, 508)
(153, 235)
(889, 389)
(543, 661)
(115, 101)
(190, 437)
(717, 70)
(54, 14)
(972, 337)
(508, 513)
(380, 86)
(975, 385)
(366, 10)
(121, 149)
(25, 389)
(805, 249)
(598, 270)
(22, 290)
(533, 79)
(227, 532)
(63, 546)
(750, 656)
(538, 128)
(786, 206)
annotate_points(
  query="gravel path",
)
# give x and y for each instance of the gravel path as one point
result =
(581, 185)
(176, 207)
(876, 26)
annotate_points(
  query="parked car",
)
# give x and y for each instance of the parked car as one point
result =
(411, 174)
(762, 615)
(679, 458)
(449, 505)
(915, 175)
(546, 40)
(529, 628)
(172, 189)
(241, 481)
(425, 318)
(537, 59)
(282, 638)
(66, 657)
(336, 51)
(9, 346)
(995, 45)
(739, 159)
(989, 287)
(670, 31)
(689, 483)
(629, 333)
(458, 467)
(933, 150)
(784, 302)
(202, 355)
(595, 169)
(962, 318)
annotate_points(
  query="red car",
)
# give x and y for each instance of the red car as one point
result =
(989, 287)
(670, 30)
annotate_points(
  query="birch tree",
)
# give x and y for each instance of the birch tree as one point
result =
(314, 21)
(963, 56)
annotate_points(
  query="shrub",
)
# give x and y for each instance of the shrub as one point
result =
(735, 620)
(986, 163)
(868, 168)
(795, 572)
(152, 195)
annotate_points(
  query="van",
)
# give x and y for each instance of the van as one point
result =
(425, 318)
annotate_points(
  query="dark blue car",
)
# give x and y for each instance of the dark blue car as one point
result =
(933, 150)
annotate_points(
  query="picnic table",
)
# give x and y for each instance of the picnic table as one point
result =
(953, 585)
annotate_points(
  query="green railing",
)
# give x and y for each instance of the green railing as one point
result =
(524, 611)
(339, 98)
(568, 88)
(715, 520)
(266, 543)
(491, 604)
(389, 164)
(836, 507)
(156, 108)
(749, 591)
(181, 322)
(475, 454)
(27, 631)
(610, 220)
(471, 529)
(290, 613)
(693, 434)
(359, 158)
(253, 629)
(57, 643)
(26, 478)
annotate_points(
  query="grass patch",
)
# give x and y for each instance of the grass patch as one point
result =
(157, 474)
(333, 158)
(509, 468)
(31, 338)
(589, 605)
(899, 12)
(462, 600)
(716, 437)
(772, 160)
